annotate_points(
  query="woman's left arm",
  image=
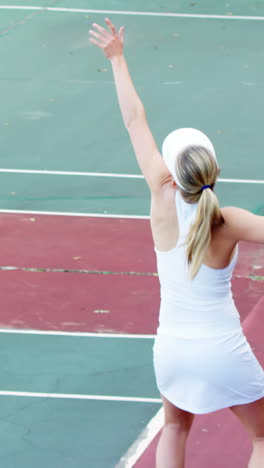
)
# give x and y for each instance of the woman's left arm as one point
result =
(148, 156)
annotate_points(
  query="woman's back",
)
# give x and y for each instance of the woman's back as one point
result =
(165, 229)
(202, 306)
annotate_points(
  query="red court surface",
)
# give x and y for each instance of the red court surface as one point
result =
(43, 241)
(54, 241)
(218, 439)
(92, 303)
(79, 302)
(116, 302)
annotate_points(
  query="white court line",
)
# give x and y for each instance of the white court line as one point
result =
(79, 334)
(113, 175)
(66, 213)
(80, 397)
(134, 13)
(142, 442)
(72, 173)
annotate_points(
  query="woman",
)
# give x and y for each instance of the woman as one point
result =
(202, 360)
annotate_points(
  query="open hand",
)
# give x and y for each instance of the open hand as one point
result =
(110, 42)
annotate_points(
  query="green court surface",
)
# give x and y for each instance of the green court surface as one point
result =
(105, 431)
(78, 364)
(73, 365)
(102, 195)
(59, 109)
(237, 7)
(84, 400)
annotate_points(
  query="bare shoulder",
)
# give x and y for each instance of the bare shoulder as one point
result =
(241, 224)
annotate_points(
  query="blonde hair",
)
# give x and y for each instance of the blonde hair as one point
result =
(196, 167)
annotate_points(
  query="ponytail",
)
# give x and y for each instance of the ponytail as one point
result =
(198, 239)
(196, 168)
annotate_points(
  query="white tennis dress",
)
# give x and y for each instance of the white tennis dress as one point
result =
(202, 359)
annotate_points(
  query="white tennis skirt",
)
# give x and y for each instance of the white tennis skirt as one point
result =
(201, 375)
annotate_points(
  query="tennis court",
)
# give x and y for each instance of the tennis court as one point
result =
(80, 292)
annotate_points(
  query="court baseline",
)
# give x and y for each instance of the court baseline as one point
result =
(79, 397)
(107, 174)
(133, 13)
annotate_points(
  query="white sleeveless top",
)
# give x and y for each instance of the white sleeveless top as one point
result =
(194, 308)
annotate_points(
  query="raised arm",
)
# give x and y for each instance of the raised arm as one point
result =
(132, 109)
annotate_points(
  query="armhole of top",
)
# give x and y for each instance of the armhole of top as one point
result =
(178, 214)
(235, 255)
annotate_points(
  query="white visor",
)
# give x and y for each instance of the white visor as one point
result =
(177, 141)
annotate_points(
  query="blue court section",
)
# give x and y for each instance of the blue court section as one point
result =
(72, 364)
(70, 432)
(103, 195)
(59, 109)
(235, 7)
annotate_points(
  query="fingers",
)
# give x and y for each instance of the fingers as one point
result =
(121, 34)
(97, 36)
(111, 26)
(111, 42)
(102, 30)
(99, 44)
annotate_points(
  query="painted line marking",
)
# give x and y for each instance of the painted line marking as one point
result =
(79, 334)
(101, 272)
(62, 213)
(80, 397)
(227, 16)
(113, 175)
(69, 270)
(72, 173)
(142, 442)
